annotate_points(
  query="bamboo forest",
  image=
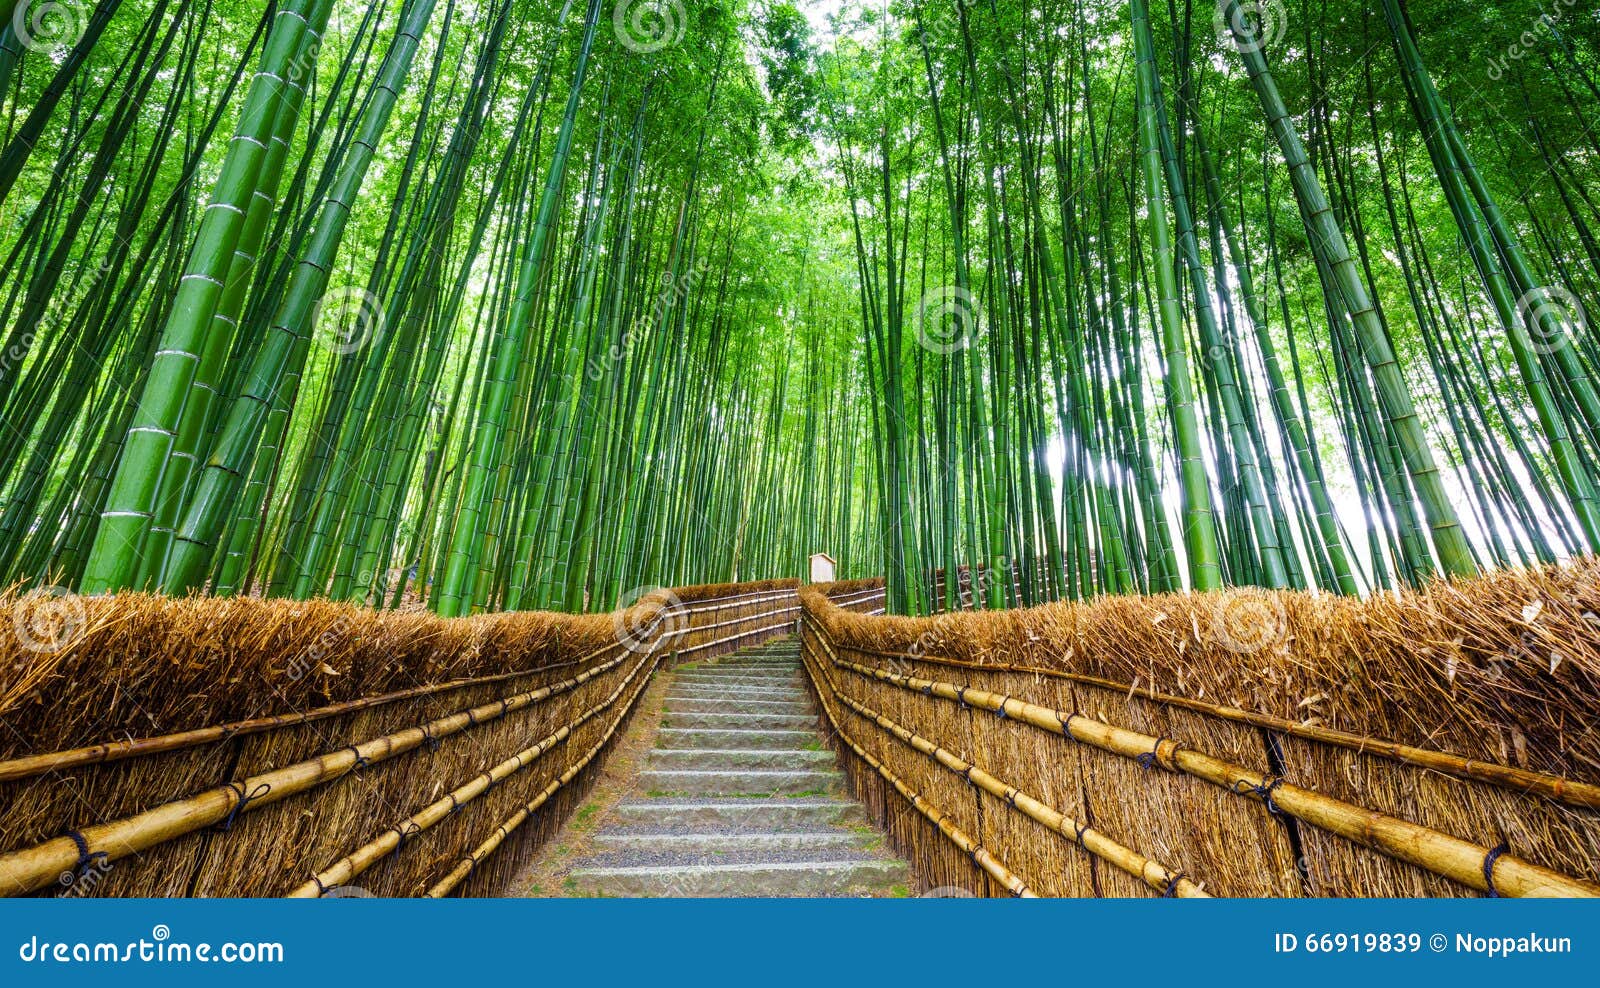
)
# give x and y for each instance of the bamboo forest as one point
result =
(483, 305)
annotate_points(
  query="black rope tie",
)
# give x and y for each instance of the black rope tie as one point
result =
(362, 761)
(429, 740)
(1080, 829)
(1066, 724)
(1011, 797)
(472, 716)
(245, 799)
(322, 890)
(927, 690)
(1488, 867)
(1001, 710)
(961, 697)
(87, 860)
(1148, 759)
(1172, 886)
(455, 807)
(1264, 791)
(410, 830)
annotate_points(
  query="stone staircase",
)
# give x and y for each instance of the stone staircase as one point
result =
(739, 797)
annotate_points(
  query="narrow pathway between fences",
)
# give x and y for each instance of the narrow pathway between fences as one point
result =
(722, 787)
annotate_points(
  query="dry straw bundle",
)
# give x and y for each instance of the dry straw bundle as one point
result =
(1466, 710)
(156, 746)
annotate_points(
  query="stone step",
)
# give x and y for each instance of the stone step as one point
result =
(788, 722)
(741, 675)
(738, 815)
(738, 683)
(723, 737)
(704, 759)
(716, 843)
(802, 878)
(733, 705)
(681, 691)
(739, 782)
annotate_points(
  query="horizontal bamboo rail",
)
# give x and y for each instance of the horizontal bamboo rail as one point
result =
(104, 752)
(469, 862)
(111, 751)
(33, 868)
(743, 620)
(425, 819)
(733, 638)
(1553, 787)
(981, 857)
(1461, 861)
(737, 599)
(115, 751)
(1147, 870)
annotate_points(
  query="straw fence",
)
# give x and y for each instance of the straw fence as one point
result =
(1242, 743)
(238, 747)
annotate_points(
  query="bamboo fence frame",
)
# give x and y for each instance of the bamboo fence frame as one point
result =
(960, 838)
(30, 869)
(114, 751)
(1151, 872)
(1559, 789)
(111, 751)
(469, 862)
(33, 868)
(1477, 867)
(364, 857)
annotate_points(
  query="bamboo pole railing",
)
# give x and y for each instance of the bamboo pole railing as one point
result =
(423, 820)
(1556, 788)
(28, 869)
(469, 862)
(33, 868)
(968, 846)
(1466, 863)
(104, 752)
(1092, 841)
(114, 751)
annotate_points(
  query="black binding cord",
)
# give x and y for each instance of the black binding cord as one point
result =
(87, 860)
(1264, 791)
(1488, 867)
(1148, 759)
(245, 799)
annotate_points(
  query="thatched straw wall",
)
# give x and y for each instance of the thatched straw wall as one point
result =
(1467, 710)
(114, 707)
